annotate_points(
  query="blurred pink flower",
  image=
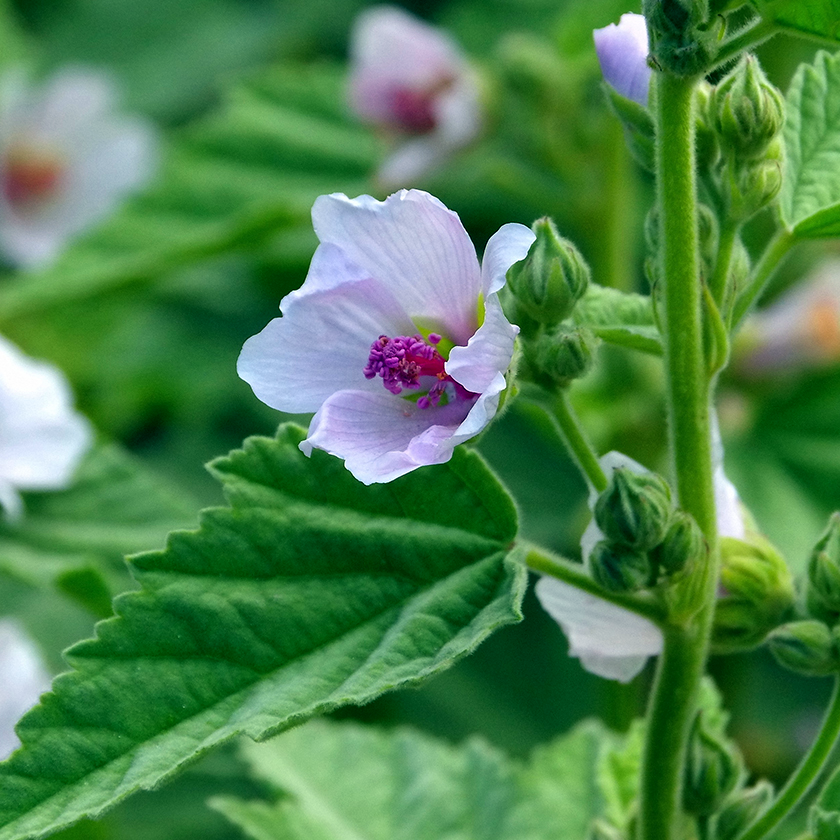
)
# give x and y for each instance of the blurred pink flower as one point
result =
(42, 438)
(396, 340)
(801, 329)
(410, 79)
(23, 679)
(622, 52)
(66, 160)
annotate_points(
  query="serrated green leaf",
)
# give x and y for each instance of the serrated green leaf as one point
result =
(812, 18)
(234, 180)
(620, 318)
(810, 196)
(342, 781)
(76, 538)
(309, 592)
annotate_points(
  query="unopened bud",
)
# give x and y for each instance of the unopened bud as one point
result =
(552, 277)
(822, 592)
(706, 142)
(557, 357)
(807, 647)
(711, 771)
(758, 593)
(683, 544)
(742, 808)
(681, 44)
(634, 510)
(749, 111)
(758, 186)
(618, 568)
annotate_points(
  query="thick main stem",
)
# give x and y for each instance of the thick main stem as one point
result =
(673, 701)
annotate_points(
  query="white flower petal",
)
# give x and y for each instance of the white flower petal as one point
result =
(415, 246)
(610, 641)
(23, 679)
(622, 52)
(321, 344)
(42, 438)
(410, 161)
(509, 244)
(487, 354)
(381, 436)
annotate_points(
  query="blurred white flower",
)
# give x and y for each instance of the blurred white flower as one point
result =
(23, 679)
(801, 329)
(411, 79)
(42, 438)
(66, 160)
(622, 50)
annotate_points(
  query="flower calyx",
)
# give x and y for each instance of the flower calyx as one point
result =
(808, 647)
(712, 769)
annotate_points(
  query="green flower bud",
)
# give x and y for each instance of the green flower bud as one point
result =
(634, 510)
(552, 277)
(618, 568)
(748, 110)
(807, 647)
(823, 824)
(711, 770)
(684, 543)
(680, 43)
(741, 809)
(558, 357)
(822, 590)
(707, 229)
(758, 187)
(758, 593)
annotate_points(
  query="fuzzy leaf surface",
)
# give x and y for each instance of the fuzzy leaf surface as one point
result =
(338, 781)
(309, 592)
(810, 196)
(809, 18)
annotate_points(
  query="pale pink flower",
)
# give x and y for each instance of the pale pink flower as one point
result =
(66, 160)
(622, 50)
(42, 438)
(396, 340)
(23, 678)
(410, 79)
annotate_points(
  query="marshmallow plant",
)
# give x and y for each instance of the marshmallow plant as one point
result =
(376, 547)
(67, 158)
(410, 80)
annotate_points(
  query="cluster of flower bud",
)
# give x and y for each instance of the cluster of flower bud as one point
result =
(741, 809)
(742, 118)
(683, 35)
(811, 645)
(540, 295)
(644, 538)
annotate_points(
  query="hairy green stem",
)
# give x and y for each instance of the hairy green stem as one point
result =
(540, 560)
(682, 663)
(568, 426)
(774, 254)
(805, 774)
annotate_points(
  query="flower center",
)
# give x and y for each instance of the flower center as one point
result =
(402, 361)
(413, 110)
(30, 176)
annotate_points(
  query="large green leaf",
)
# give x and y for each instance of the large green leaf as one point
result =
(340, 781)
(812, 18)
(810, 197)
(236, 179)
(76, 538)
(309, 592)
